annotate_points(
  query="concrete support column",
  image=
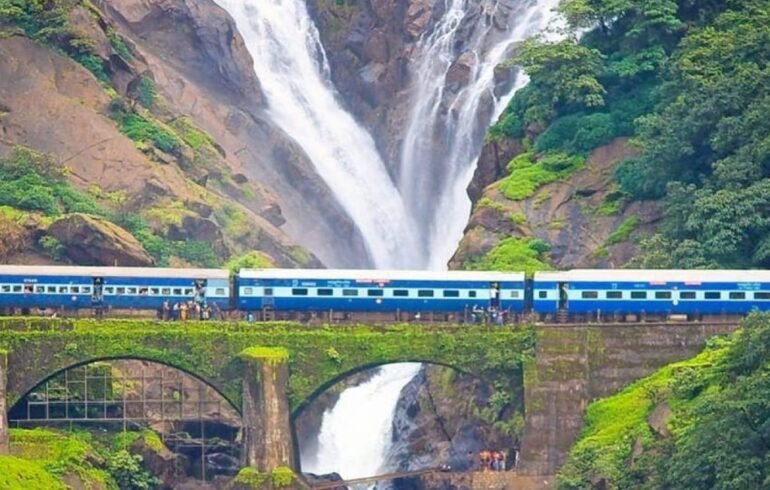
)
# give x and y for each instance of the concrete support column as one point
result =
(268, 442)
(4, 444)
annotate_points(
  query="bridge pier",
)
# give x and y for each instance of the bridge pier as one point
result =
(4, 443)
(267, 431)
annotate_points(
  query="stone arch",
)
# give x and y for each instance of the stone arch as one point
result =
(28, 389)
(297, 411)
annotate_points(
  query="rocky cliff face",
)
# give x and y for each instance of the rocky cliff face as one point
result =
(224, 175)
(441, 416)
(370, 44)
(583, 218)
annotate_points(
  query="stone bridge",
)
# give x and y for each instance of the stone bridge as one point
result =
(268, 371)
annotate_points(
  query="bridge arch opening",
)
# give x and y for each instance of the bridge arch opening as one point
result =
(199, 427)
(441, 415)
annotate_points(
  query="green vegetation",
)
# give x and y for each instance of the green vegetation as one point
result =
(514, 254)
(145, 130)
(686, 80)
(271, 354)
(529, 172)
(623, 233)
(282, 477)
(714, 437)
(250, 478)
(146, 92)
(34, 181)
(49, 22)
(252, 260)
(126, 469)
(21, 474)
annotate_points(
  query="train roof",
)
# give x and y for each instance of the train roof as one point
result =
(377, 275)
(152, 272)
(654, 276)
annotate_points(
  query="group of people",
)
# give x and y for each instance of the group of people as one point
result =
(490, 315)
(190, 310)
(491, 460)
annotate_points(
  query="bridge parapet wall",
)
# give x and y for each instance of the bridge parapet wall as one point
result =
(577, 364)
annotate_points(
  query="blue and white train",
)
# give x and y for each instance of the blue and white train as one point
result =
(586, 294)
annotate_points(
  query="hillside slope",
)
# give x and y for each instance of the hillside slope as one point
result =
(111, 109)
(640, 139)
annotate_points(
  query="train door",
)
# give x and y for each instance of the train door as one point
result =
(494, 295)
(563, 296)
(200, 290)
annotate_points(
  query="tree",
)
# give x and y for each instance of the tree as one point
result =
(565, 70)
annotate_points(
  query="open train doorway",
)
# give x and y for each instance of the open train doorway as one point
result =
(494, 295)
(563, 296)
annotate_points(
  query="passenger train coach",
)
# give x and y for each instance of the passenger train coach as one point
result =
(391, 295)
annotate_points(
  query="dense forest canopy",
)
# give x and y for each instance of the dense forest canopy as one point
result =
(687, 80)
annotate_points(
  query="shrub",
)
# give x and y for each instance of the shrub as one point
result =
(528, 175)
(624, 231)
(514, 254)
(127, 471)
(142, 130)
(146, 92)
(251, 260)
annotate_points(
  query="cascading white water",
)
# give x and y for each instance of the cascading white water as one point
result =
(293, 71)
(445, 131)
(291, 65)
(356, 433)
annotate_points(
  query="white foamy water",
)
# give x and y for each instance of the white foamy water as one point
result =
(291, 65)
(356, 433)
(445, 131)
(441, 143)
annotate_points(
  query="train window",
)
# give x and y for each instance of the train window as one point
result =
(737, 295)
(51, 289)
(188, 292)
(5, 288)
(325, 292)
(17, 289)
(120, 291)
(614, 294)
(687, 295)
(75, 289)
(86, 290)
(27, 288)
(299, 291)
(63, 289)
(401, 293)
(451, 293)
(542, 294)
(177, 291)
(662, 294)
(761, 295)
(248, 291)
(109, 290)
(638, 294)
(471, 294)
(514, 294)
(39, 289)
(221, 291)
(350, 292)
(155, 291)
(713, 295)
(374, 292)
(425, 293)
(165, 291)
(268, 291)
(144, 291)
(589, 294)
(131, 290)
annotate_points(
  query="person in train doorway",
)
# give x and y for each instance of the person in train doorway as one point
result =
(478, 313)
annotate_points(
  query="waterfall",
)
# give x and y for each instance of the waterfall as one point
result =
(446, 127)
(414, 224)
(356, 433)
(293, 71)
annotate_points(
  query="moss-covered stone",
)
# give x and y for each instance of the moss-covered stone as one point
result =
(318, 358)
(21, 474)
